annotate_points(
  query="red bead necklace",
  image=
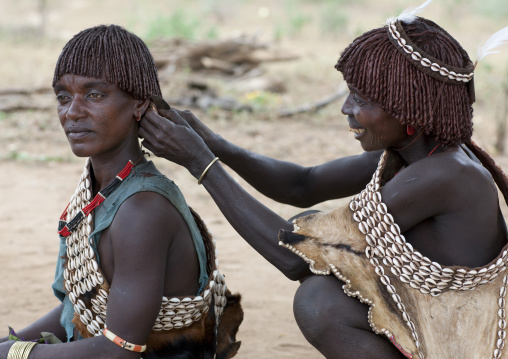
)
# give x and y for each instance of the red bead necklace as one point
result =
(66, 228)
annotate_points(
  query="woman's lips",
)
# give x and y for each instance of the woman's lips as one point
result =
(357, 131)
(355, 128)
(77, 133)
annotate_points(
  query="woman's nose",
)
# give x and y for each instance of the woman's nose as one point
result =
(75, 110)
(346, 106)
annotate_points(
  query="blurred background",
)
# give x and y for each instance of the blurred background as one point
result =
(261, 73)
(284, 55)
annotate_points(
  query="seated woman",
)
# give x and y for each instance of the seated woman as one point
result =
(422, 246)
(136, 273)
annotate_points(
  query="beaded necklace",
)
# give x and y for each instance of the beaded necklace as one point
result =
(66, 228)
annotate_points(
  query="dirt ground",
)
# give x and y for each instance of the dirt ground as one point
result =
(39, 173)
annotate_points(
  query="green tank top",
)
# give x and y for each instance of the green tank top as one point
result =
(143, 178)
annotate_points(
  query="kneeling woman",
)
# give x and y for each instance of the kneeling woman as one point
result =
(423, 246)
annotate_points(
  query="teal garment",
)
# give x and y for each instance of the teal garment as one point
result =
(137, 181)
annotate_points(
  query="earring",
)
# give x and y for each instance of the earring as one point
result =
(138, 118)
(410, 130)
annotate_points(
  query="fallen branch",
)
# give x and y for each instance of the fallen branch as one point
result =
(232, 56)
(24, 91)
(313, 107)
(7, 108)
(13, 100)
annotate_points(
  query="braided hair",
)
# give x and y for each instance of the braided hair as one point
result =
(374, 66)
(114, 53)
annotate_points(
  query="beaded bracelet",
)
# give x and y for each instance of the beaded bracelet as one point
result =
(123, 343)
(20, 350)
(206, 169)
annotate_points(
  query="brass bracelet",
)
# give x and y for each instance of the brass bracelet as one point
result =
(20, 350)
(206, 169)
(16, 350)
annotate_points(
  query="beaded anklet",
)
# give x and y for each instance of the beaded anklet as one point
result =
(123, 343)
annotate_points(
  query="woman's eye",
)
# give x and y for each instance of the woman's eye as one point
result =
(62, 98)
(356, 98)
(94, 96)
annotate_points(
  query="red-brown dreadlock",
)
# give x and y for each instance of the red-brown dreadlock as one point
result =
(113, 52)
(377, 68)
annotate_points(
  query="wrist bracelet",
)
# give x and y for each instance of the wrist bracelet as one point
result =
(123, 343)
(20, 350)
(206, 169)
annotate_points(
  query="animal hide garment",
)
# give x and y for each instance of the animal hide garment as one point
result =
(425, 309)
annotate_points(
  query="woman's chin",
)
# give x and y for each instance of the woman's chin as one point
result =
(369, 147)
(81, 152)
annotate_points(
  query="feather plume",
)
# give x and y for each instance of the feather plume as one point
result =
(496, 40)
(409, 15)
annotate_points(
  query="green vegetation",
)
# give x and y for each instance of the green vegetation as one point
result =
(296, 20)
(22, 156)
(261, 100)
(329, 16)
(180, 24)
(335, 3)
(333, 19)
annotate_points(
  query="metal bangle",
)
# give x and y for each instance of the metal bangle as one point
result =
(20, 350)
(206, 169)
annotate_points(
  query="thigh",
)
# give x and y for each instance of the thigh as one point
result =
(336, 324)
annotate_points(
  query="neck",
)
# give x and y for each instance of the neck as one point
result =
(106, 167)
(418, 147)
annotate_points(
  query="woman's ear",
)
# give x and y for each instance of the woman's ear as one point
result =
(140, 108)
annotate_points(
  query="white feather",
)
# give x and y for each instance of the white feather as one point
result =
(409, 15)
(496, 40)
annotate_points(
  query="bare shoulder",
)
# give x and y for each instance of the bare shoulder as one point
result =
(148, 214)
(448, 185)
(450, 174)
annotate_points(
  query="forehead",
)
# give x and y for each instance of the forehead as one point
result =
(82, 81)
(352, 88)
(77, 83)
(355, 90)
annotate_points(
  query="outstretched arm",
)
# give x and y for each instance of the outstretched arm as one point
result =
(257, 224)
(284, 181)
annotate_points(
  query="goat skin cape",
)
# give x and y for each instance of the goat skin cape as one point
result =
(459, 321)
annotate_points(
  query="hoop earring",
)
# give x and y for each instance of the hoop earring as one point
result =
(410, 130)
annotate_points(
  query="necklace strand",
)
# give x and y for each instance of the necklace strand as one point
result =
(66, 228)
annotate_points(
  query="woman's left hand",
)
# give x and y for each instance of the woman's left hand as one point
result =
(168, 135)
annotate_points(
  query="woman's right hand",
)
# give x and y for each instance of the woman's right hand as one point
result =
(212, 140)
(167, 134)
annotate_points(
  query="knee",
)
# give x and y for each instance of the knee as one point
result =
(313, 308)
(335, 324)
(322, 310)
